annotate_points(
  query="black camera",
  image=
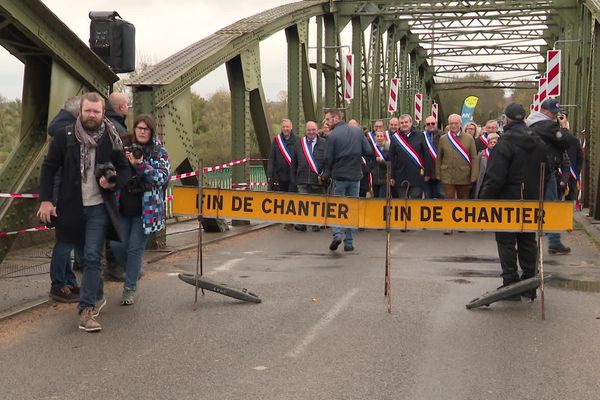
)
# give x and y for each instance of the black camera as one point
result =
(106, 170)
(136, 150)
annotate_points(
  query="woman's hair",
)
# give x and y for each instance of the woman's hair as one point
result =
(148, 120)
(474, 125)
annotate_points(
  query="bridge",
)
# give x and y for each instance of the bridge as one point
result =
(425, 44)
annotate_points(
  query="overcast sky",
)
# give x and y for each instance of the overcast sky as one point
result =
(162, 29)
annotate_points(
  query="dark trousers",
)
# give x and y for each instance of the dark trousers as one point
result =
(414, 192)
(513, 246)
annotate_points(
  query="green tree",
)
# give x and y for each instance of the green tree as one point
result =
(10, 126)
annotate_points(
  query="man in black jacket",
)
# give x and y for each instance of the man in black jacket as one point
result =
(513, 172)
(116, 111)
(86, 209)
(411, 162)
(280, 158)
(308, 159)
(346, 144)
(552, 126)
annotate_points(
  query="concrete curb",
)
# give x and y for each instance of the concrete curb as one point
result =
(589, 225)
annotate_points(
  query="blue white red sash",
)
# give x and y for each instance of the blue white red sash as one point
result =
(459, 147)
(484, 139)
(364, 162)
(487, 153)
(309, 156)
(283, 148)
(572, 173)
(378, 152)
(409, 150)
(430, 146)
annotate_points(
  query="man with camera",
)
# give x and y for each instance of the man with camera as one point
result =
(552, 126)
(93, 164)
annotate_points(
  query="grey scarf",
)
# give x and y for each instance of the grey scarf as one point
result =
(89, 140)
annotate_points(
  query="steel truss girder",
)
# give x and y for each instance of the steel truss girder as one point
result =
(486, 51)
(488, 67)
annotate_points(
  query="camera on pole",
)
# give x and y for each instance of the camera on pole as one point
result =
(113, 40)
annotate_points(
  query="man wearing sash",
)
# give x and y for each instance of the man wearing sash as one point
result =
(346, 145)
(308, 159)
(481, 143)
(411, 163)
(456, 163)
(513, 173)
(280, 158)
(433, 187)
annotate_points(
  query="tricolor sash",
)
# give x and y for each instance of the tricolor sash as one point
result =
(487, 152)
(430, 146)
(409, 150)
(364, 162)
(572, 173)
(378, 152)
(283, 148)
(459, 147)
(484, 139)
(310, 158)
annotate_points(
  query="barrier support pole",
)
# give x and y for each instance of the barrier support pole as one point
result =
(388, 197)
(199, 248)
(539, 238)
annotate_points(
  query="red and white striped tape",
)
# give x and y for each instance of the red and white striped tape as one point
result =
(536, 102)
(209, 169)
(553, 73)
(21, 231)
(393, 97)
(349, 77)
(418, 107)
(21, 195)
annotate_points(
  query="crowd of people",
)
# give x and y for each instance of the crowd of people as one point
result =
(103, 188)
(454, 163)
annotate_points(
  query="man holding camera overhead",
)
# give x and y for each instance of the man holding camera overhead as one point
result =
(93, 166)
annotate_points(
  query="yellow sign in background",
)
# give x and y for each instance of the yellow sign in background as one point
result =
(484, 215)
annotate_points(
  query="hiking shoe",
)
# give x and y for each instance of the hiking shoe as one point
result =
(64, 295)
(316, 228)
(99, 306)
(300, 228)
(87, 321)
(530, 294)
(335, 243)
(74, 289)
(348, 247)
(560, 249)
(128, 296)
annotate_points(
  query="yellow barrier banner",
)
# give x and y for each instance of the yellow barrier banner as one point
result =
(479, 215)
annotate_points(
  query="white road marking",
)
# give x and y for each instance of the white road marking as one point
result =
(226, 266)
(323, 322)
(172, 273)
(259, 368)
(397, 247)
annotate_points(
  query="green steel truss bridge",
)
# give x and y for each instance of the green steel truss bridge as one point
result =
(427, 45)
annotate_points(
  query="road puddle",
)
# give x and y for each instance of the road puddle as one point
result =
(580, 286)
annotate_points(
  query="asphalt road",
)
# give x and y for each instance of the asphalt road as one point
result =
(322, 330)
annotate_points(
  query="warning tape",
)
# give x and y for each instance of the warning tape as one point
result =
(20, 195)
(209, 169)
(21, 231)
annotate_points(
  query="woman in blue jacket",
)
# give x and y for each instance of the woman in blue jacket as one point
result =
(141, 201)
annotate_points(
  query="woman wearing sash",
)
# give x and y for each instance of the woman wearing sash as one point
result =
(456, 164)
(482, 159)
(381, 148)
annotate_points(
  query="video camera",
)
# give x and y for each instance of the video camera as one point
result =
(106, 170)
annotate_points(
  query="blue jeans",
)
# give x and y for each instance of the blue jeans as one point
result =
(344, 189)
(96, 225)
(433, 189)
(61, 271)
(130, 251)
(552, 195)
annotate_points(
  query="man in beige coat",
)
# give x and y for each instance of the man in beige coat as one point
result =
(456, 164)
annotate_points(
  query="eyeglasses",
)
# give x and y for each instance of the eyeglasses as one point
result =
(430, 123)
(142, 129)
